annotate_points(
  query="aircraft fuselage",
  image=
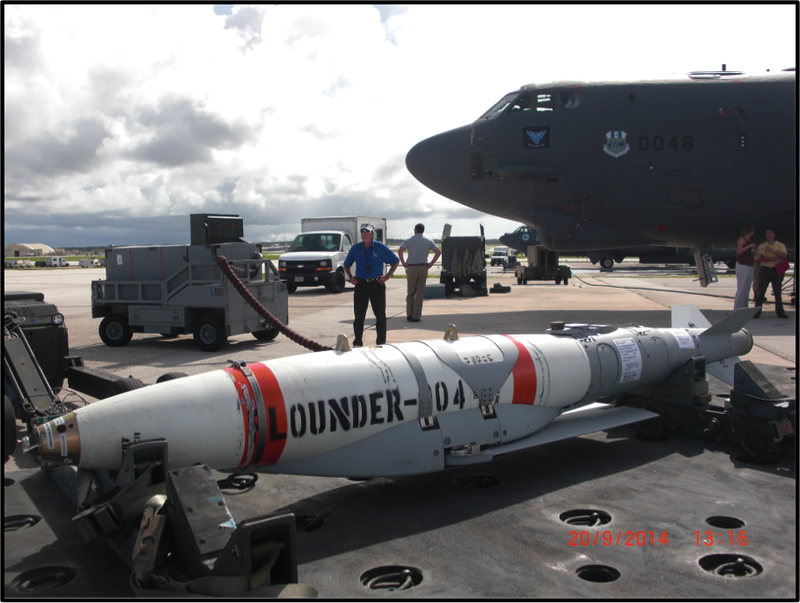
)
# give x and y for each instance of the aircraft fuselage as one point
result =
(683, 163)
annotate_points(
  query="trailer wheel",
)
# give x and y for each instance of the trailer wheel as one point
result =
(170, 377)
(126, 384)
(9, 429)
(266, 334)
(337, 284)
(114, 331)
(209, 334)
(558, 280)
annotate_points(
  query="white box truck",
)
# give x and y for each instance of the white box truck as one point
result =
(55, 261)
(316, 256)
(88, 263)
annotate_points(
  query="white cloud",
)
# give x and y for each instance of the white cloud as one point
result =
(282, 111)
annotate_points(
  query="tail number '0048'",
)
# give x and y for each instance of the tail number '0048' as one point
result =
(657, 143)
(441, 394)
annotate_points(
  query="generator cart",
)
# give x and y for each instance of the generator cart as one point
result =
(179, 289)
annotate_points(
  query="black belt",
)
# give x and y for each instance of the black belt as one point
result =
(370, 280)
(416, 264)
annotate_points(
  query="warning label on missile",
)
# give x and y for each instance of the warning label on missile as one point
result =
(683, 338)
(630, 358)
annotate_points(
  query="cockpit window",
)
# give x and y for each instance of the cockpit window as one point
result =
(544, 101)
(518, 102)
(503, 104)
(569, 100)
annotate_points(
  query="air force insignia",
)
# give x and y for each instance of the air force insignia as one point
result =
(616, 143)
(536, 137)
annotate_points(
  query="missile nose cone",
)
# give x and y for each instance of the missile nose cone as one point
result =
(59, 440)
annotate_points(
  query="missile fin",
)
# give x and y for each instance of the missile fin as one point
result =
(578, 422)
(731, 324)
(688, 316)
(723, 369)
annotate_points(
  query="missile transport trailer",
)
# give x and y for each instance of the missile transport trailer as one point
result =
(179, 289)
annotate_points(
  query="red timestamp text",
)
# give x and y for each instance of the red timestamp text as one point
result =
(620, 538)
(709, 538)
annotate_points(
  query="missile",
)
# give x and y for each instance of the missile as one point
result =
(392, 410)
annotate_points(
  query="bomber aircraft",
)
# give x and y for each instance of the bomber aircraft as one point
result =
(683, 162)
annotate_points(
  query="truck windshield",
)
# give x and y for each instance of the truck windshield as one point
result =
(316, 242)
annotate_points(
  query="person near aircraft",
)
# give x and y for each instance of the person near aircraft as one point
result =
(770, 254)
(417, 267)
(744, 266)
(370, 282)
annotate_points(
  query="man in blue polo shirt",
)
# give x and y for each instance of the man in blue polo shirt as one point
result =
(370, 282)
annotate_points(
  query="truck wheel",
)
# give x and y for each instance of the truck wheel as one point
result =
(209, 334)
(558, 280)
(566, 281)
(337, 284)
(266, 334)
(9, 429)
(291, 288)
(519, 281)
(114, 331)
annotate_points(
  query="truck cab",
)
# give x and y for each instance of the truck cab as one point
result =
(316, 256)
(499, 255)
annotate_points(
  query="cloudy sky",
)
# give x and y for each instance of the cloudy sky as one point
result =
(121, 120)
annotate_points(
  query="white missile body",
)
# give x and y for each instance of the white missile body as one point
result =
(390, 410)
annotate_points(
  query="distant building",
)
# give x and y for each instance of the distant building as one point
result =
(19, 250)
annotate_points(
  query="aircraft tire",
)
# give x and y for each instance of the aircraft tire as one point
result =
(607, 263)
(114, 331)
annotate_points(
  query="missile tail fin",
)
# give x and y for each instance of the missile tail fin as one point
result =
(723, 369)
(688, 316)
(731, 324)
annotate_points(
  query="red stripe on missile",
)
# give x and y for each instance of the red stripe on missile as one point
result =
(248, 407)
(524, 374)
(277, 423)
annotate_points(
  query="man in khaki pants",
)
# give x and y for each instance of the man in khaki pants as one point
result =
(416, 268)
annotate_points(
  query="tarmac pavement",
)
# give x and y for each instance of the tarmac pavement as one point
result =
(507, 538)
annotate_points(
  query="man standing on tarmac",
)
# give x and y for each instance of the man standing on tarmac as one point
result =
(417, 267)
(770, 254)
(370, 282)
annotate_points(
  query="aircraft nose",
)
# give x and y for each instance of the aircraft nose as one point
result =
(441, 160)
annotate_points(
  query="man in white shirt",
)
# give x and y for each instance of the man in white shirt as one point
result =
(416, 267)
